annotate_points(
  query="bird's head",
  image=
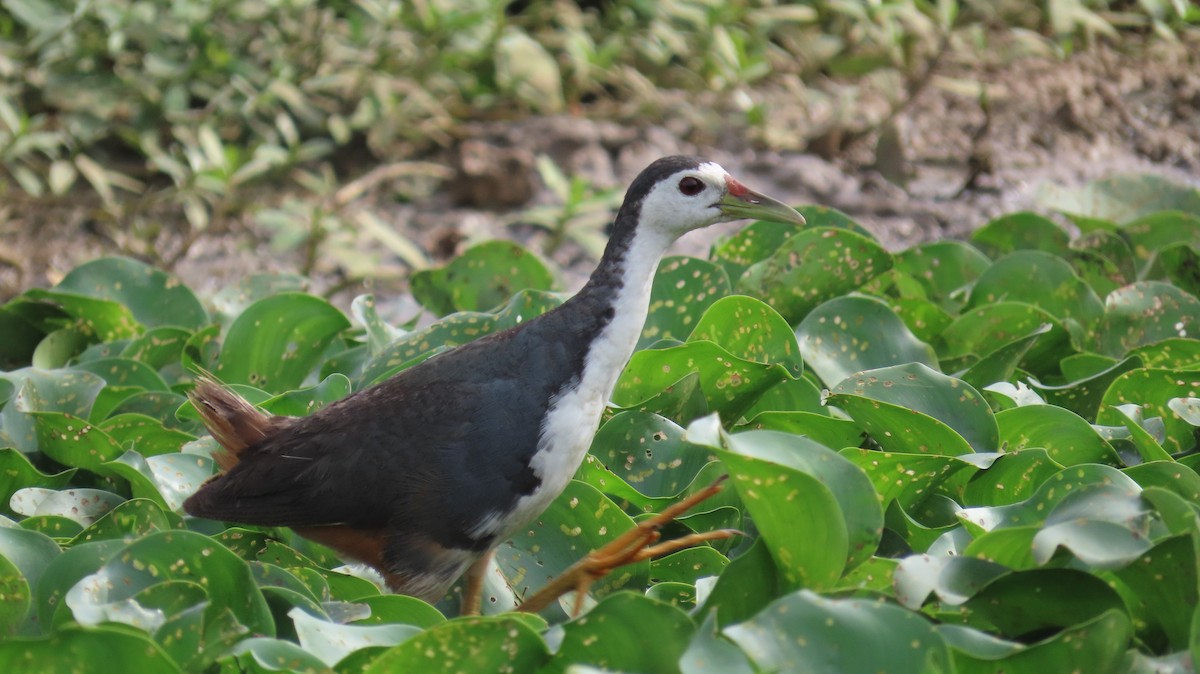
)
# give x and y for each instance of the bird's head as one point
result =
(678, 194)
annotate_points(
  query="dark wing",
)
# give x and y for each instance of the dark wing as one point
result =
(440, 446)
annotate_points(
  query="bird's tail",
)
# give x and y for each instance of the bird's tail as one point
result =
(233, 422)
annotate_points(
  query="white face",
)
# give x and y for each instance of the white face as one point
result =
(687, 200)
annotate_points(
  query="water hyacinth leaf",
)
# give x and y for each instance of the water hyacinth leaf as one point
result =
(279, 341)
(614, 633)
(803, 631)
(1181, 266)
(125, 372)
(158, 347)
(80, 504)
(946, 269)
(1020, 231)
(1011, 478)
(1168, 605)
(489, 644)
(811, 267)
(305, 401)
(977, 332)
(649, 453)
(1066, 437)
(953, 579)
(59, 347)
(999, 365)
(1153, 390)
(1152, 233)
(751, 244)
(1146, 443)
(330, 642)
(749, 583)
(924, 394)
(1097, 645)
(749, 329)
(15, 597)
(74, 442)
(789, 395)
(399, 609)
(1083, 396)
(189, 556)
(1024, 601)
(154, 297)
(30, 552)
(101, 320)
(1143, 313)
(829, 431)
(234, 299)
(128, 520)
(274, 655)
(851, 334)
(730, 384)
(907, 478)
(201, 350)
(1121, 198)
(711, 653)
(379, 332)
(852, 489)
(482, 278)
(687, 566)
(74, 648)
(144, 434)
(16, 473)
(924, 319)
(1107, 482)
(1047, 282)
(683, 288)
(809, 552)
(66, 391)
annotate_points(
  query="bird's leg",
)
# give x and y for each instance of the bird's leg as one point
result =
(473, 592)
(637, 544)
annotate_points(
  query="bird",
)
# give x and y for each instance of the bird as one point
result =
(421, 476)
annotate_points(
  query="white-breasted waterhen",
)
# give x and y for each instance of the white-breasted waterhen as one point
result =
(422, 475)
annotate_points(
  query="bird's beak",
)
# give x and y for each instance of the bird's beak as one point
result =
(741, 202)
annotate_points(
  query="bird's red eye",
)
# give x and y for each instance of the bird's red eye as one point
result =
(691, 186)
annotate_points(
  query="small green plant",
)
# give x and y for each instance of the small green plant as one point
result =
(582, 214)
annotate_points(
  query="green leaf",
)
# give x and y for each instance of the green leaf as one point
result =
(278, 341)
(1143, 313)
(1097, 645)
(614, 633)
(1025, 601)
(1153, 390)
(1067, 437)
(753, 243)
(1167, 605)
(1122, 198)
(803, 631)
(99, 319)
(979, 330)
(74, 442)
(482, 278)
(154, 297)
(649, 453)
(1020, 231)
(749, 329)
(1044, 281)
(911, 408)
(946, 269)
(467, 645)
(87, 650)
(730, 384)
(813, 266)
(16, 473)
(330, 642)
(683, 288)
(851, 334)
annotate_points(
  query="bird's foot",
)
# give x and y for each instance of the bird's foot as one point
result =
(635, 545)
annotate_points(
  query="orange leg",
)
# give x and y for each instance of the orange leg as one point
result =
(635, 545)
(473, 592)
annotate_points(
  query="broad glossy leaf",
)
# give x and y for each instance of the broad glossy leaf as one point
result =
(1143, 313)
(851, 334)
(730, 384)
(1044, 281)
(125, 372)
(158, 347)
(1025, 601)
(1067, 437)
(16, 473)
(897, 404)
(74, 442)
(488, 644)
(83, 505)
(615, 633)
(749, 583)
(979, 330)
(1152, 233)
(1121, 198)
(276, 342)
(953, 579)
(128, 520)
(99, 319)
(905, 477)
(1168, 604)
(751, 244)
(234, 299)
(814, 265)
(15, 597)
(261, 654)
(482, 278)
(30, 552)
(144, 434)
(1083, 396)
(1174, 353)
(1097, 645)
(1011, 478)
(305, 401)
(1020, 231)
(683, 288)
(803, 631)
(947, 270)
(852, 489)
(711, 653)
(109, 648)
(330, 642)
(1000, 364)
(829, 431)
(749, 329)
(1107, 482)
(1153, 391)
(649, 453)
(154, 297)
(67, 391)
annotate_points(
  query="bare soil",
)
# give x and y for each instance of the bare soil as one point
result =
(945, 166)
